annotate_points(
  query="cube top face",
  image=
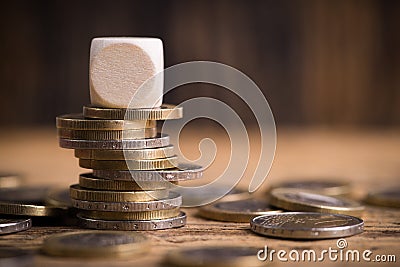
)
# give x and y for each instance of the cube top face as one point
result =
(118, 68)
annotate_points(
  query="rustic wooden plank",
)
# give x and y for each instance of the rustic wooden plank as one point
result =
(370, 159)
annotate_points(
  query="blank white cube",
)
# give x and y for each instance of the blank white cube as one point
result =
(119, 66)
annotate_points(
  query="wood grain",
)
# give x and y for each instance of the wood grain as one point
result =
(367, 158)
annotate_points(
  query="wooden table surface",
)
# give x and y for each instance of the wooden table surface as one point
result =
(368, 158)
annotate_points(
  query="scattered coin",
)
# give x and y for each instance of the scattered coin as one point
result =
(58, 198)
(127, 154)
(77, 192)
(8, 226)
(95, 244)
(201, 194)
(165, 112)
(183, 172)
(137, 164)
(24, 194)
(160, 141)
(323, 187)
(236, 211)
(175, 222)
(132, 216)
(29, 210)
(9, 180)
(107, 134)
(214, 256)
(78, 122)
(306, 225)
(295, 200)
(172, 201)
(385, 198)
(13, 257)
(87, 180)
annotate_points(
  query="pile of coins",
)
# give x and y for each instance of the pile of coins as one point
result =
(295, 210)
(132, 164)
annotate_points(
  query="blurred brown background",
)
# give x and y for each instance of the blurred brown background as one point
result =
(317, 62)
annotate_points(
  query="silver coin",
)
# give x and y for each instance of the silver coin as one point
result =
(200, 194)
(295, 200)
(88, 180)
(183, 172)
(79, 122)
(174, 200)
(175, 222)
(12, 257)
(214, 256)
(24, 194)
(8, 226)
(120, 154)
(237, 210)
(307, 225)
(324, 187)
(160, 141)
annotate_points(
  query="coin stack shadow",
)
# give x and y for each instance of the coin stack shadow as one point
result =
(133, 168)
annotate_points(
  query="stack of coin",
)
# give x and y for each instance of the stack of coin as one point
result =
(132, 164)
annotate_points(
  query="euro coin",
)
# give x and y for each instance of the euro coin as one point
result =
(138, 164)
(236, 211)
(169, 223)
(182, 172)
(8, 226)
(295, 200)
(78, 122)
(160, 141)
(306, 225)
(127, 154)
(323, 187)
(165, 112)
(77, 192)
(172, 201)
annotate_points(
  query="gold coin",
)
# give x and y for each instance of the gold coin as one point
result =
(127, 154)
(385, 198)
(146, 164)
(77, 192)
(323, 187)
(78, 122)
(165, 112)
(172, 201)
(237, 211)
(129, 216)
(96, 244)
(296, 200)
(87, 180)
(183, 172)
(225, 256)
(9, 180)
(30, 210)
(160, 140)
(106, 134)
